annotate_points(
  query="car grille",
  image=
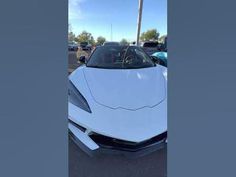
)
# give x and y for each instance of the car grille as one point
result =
(112, 143)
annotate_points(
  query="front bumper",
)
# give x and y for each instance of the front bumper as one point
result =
(94, 144)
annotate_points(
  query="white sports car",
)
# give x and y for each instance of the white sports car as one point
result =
(118, 102)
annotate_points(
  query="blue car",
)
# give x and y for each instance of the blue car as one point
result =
(162, 56)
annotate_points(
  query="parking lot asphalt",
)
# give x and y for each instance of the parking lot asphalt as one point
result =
(72, 61)
(81, 165)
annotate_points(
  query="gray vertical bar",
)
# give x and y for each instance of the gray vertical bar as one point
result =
(140, 9)
(201, 72)
(33, 88)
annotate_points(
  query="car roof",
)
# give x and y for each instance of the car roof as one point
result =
(110, 43)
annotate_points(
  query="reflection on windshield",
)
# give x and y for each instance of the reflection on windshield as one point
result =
(119, 57)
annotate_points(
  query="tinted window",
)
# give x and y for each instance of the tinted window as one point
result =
(119, 57)
(111, 43)
(150, 44)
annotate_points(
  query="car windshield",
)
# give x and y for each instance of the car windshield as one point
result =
(119, 57)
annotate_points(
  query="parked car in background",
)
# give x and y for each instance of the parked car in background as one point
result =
(111, 44)
(134, 43)
(82, 52)
(161, 47)
(161, 56)
(72, 46)
(165, 44)
(85, 46)
(150, 47)
(110, 106)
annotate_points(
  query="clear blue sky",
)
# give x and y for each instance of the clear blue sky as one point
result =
(96, 17)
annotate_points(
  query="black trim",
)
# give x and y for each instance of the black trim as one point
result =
(76, 98)
(113, 146)
(112, 143)
(112, 151)
(77, 126)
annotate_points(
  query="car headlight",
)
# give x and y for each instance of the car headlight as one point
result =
(76, 98)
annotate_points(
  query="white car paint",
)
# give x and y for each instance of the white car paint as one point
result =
(127, 88)
(84, 138)
(126, 104)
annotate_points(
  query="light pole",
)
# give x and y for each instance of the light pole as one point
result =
(140, 9)
(111, 31)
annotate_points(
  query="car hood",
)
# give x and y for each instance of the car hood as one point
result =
(130, 89)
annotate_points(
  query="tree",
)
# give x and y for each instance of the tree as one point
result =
(124, 42)
(71, 36)
(162, 39)
(100, 40)
(151, 34)
(85, 37)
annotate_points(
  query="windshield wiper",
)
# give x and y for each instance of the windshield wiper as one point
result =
(123, 59)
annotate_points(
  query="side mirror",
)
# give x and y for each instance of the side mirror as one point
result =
(158, 61)
(82, 59)
(155, 59)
